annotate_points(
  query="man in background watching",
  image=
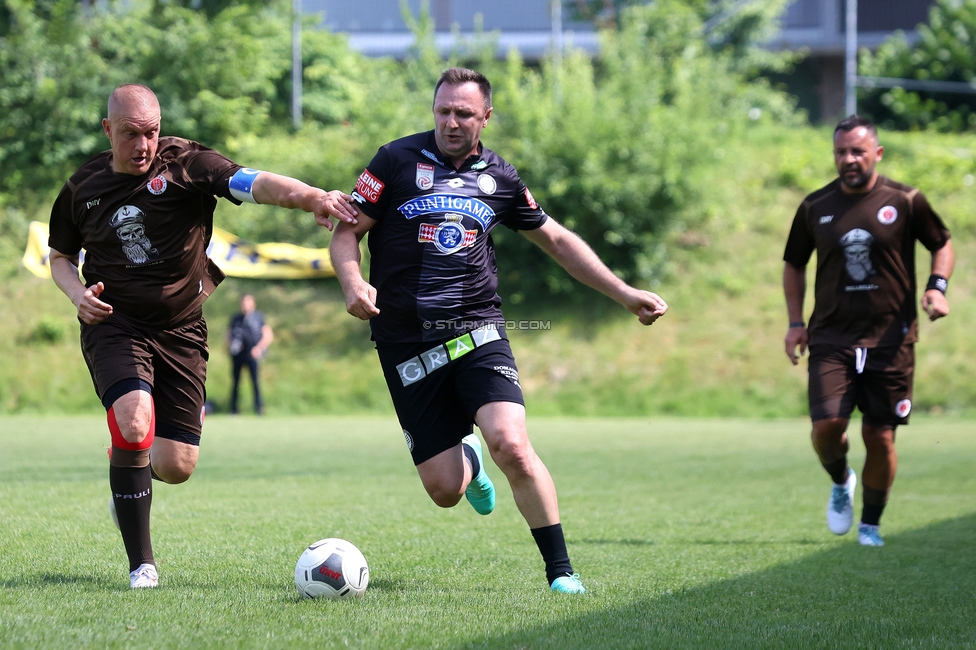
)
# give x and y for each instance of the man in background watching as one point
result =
(248, 338)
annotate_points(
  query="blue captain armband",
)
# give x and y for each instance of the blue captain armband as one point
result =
(242, 182)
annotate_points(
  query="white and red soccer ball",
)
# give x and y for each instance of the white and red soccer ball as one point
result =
(331, 568)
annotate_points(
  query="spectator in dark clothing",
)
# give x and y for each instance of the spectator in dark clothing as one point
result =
(248, 338)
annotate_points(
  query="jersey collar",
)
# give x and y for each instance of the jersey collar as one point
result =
(474, 162)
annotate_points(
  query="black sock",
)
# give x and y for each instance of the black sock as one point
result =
(552, 545)
(132, 493)
(874, 505)
(838, 470)
(473, 457)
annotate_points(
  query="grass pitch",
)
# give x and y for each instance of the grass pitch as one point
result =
(688, 534)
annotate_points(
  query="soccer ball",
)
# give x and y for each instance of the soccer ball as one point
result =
(331, 568)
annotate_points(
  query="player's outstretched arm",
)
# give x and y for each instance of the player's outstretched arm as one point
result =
(934, 301)
(347, 260)
(64, 272)
(581, 262)
(794, 286)
(287, 192)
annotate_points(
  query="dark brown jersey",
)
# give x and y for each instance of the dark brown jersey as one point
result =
(865, 283)
(146, 237)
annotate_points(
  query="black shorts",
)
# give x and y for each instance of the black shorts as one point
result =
(437, 392)
(173, 362)
(878, 381)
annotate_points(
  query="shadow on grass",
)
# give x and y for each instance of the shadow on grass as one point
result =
(915, 592)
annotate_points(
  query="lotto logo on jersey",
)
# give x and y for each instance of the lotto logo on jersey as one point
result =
(369, 187)
(425, 176)
(887, 215)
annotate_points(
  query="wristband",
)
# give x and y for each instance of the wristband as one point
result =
(938, 283)
(797, 323)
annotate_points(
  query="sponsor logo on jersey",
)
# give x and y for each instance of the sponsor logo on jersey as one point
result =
(903, 408)
(530, 200)
(413, 370)
(887, 215)
(508, 372)
(449, 237)
(425, 176)
(827, 218)
(487, 184)
(455, 183)
(442, 203)
(92, 204)
(369, 187)
(156, 185)
(431, 156)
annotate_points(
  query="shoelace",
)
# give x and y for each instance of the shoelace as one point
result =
(839, 498)
(144, 572)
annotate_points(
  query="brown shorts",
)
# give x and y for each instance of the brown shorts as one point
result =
(878, 381)
(173, 362)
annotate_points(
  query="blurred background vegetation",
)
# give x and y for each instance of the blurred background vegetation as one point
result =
(670, 152)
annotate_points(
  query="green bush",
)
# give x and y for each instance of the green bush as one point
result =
(943, 52)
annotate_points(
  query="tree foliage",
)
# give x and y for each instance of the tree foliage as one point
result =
(616, 147)
(217, 78)
(943, 52)
(48, 110)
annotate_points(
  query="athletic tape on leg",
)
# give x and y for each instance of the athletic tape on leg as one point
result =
(120, 442)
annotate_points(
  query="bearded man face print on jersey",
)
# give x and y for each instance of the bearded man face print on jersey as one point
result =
(857, 253)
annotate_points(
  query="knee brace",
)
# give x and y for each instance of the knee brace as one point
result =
(130, 454)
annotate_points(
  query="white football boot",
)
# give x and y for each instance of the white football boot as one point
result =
(144, 577)
(840, 507)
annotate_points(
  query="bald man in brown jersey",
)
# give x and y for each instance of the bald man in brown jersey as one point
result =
(864, 324)
(143, 212)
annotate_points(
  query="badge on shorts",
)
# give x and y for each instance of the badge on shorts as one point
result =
(887, 215)
(156, 185)
(425, 176)
(903, 408)
(409, 439)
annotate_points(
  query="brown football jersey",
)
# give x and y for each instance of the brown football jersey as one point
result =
(865, 283)
(146, 237)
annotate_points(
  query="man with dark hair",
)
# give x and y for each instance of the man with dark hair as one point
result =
(143, 212)
(429, 202)
(864, 322)
(248, 338)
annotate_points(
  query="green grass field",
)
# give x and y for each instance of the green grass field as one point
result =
(688, 534)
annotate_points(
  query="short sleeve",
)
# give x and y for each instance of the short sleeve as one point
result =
(525, 213)
(63, 233)
(372, 192)
(800, 244)
(209, 171)
(928, 226)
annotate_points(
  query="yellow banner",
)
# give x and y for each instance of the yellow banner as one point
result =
(235, 256)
